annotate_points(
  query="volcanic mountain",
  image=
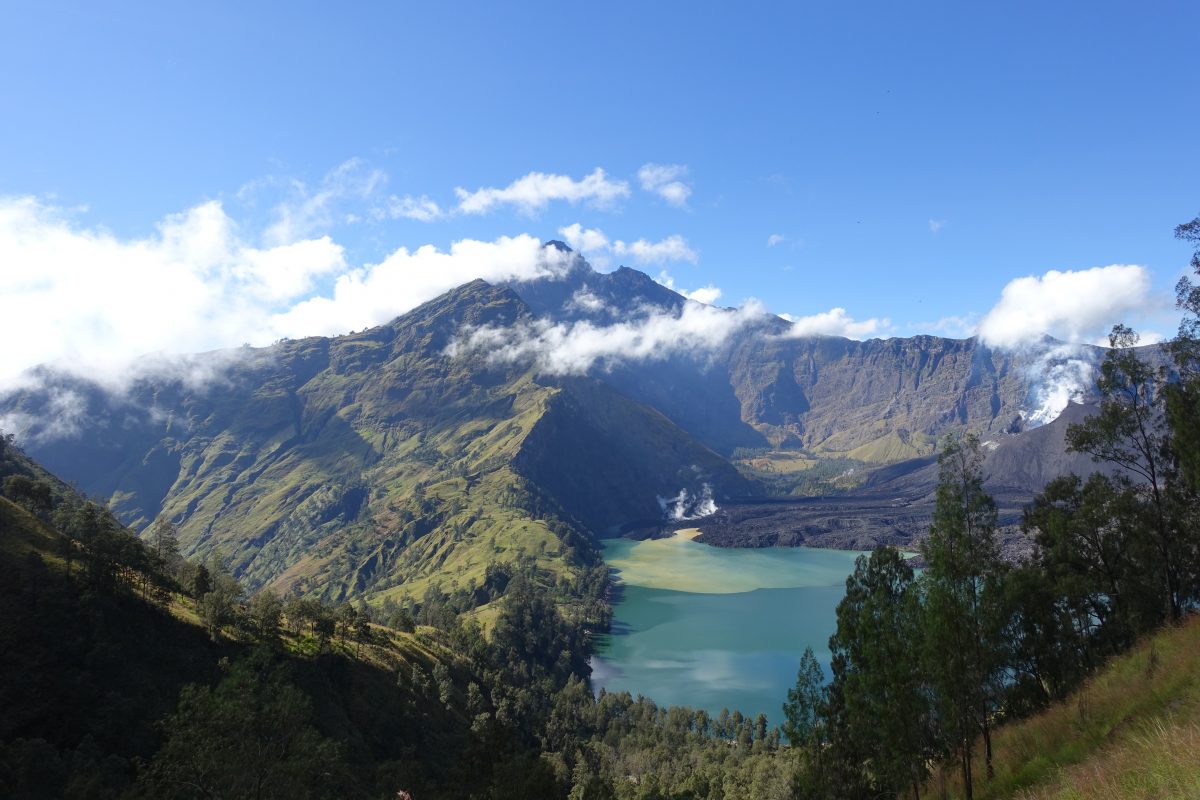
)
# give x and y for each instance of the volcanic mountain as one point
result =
(385, 462)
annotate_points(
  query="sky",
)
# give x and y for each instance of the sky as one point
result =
(179, 176)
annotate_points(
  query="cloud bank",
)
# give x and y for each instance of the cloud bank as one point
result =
(1075, 306)
(536, 190)
(599, 247)
(86, 300)
(575, 348)
(376, 293)
(835, 322)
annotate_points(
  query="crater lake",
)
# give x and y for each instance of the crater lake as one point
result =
(714, 628)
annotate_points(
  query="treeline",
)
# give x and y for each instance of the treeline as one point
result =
(925, 666)
(110, 691)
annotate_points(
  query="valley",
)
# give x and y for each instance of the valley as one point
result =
(401, 459)
(664, 536)
(551, 401)
(404, 465)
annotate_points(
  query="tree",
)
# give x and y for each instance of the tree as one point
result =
(34, 495)
(803, 709)
(362, 628)
(1187, 298)
(266, 610)
(251, 737)
(878, 671)
(217, 608)
(1130, 432)
(1093, 549)
(345, 617)
(962, 597)
(201, 582)
(164, 545)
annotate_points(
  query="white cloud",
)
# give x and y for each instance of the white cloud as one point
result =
(936, 225)
(420, 208)
(775, 238)
(954, 326)
(587, 302)
(585, 240)
(665, 181)
(574, 348)
(1075, 306)
(86, 297)
(672, 248)
(87, 300)
(705, 294)
(376, 293)
(536, 190)
(306, 211)
(593, 242)
(835, 322)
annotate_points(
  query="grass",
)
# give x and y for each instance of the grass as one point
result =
(1131, 731)
(800, 473)
(894, 446)
(1158, 762)
(779, 462)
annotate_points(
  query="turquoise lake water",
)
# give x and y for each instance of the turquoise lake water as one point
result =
(714, 628)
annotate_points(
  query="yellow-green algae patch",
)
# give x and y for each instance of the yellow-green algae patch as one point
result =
(681, 564)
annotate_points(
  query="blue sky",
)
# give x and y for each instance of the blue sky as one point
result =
(912, 158)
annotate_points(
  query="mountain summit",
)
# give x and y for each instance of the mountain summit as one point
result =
(392, 460)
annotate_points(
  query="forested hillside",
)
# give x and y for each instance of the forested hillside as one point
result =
(130, 670)
(397, 460)
(376, 465)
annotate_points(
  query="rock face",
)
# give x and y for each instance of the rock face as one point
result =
(895, 505)
(878, 400)
(382, 463)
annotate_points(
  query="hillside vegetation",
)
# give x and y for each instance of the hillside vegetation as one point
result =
(385, 464)
(376, 465)
(1130, 732)
(127, 672)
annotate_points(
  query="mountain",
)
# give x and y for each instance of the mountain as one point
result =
(383, 463)
(375, 463)
(894, 504)
(94, 669)
(878, 401)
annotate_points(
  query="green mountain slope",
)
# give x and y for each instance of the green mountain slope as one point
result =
(1131, 731)
(375, 464)
(90, 674)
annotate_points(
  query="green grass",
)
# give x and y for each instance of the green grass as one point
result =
(1131, 731)
(893, 447)
(22, 532)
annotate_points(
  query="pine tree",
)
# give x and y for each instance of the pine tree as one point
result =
(962, 597)
(877, 670)
(1130, 431)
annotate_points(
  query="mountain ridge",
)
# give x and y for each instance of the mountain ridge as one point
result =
(375, 462)
(384, 463)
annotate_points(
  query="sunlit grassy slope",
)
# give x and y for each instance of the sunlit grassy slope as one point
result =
(378, 464)
(1131, 732)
